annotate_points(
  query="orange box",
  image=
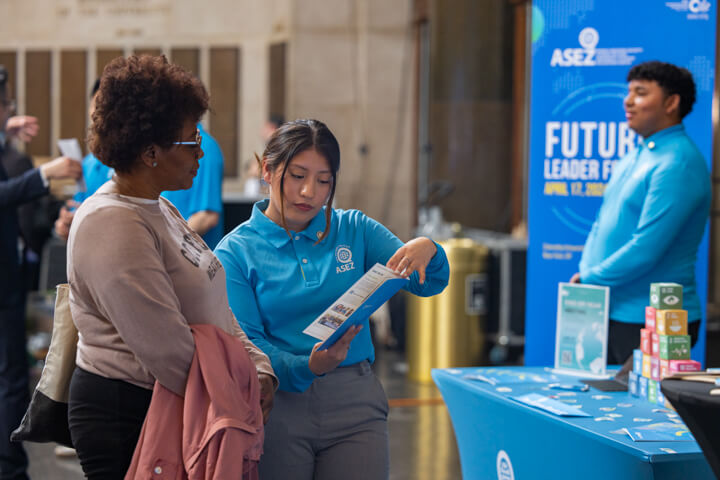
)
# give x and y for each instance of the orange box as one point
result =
(647, 366)
(671, 322)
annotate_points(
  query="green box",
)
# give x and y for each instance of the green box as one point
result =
(666, 296)
(653, 388)
(674, 347)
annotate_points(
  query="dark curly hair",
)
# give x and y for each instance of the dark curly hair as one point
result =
(142, 101)
(293, 138)
(671, 78)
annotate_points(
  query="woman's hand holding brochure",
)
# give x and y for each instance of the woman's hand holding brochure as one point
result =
(354, 307)
(324, 361)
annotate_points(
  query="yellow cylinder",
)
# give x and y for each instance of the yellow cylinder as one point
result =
(446, 330)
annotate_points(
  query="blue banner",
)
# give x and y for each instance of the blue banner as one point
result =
(581, 53)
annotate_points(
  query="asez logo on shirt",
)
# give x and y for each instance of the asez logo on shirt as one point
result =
(343, 255)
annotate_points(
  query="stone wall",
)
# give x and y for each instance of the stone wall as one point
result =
(352, 66)
(348, 63)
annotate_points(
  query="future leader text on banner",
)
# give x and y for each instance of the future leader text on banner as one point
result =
(582, 51)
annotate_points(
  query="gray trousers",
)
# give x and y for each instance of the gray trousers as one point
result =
(336, 429)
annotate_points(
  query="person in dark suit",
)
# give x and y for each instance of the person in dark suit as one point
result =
(14, 192)
(36, 217)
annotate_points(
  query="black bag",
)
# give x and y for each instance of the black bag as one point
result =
(46, 419)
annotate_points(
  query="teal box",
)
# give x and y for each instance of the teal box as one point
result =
(643, 386)
(652, 390)
(674, 347)
(666, 296)
(633, 383)
(637, 361)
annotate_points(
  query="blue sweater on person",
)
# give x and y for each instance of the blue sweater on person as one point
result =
(278, 284)
(95, 174)
(650, 225)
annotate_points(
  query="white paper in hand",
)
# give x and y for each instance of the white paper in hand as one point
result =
(70, 147)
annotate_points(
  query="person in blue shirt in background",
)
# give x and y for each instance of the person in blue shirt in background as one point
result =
(284, 266)
(654, 211)
(201, 205)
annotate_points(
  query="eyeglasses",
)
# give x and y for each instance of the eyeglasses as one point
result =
(195, 143)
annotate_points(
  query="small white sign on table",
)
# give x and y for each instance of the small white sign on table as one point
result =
(581, 336)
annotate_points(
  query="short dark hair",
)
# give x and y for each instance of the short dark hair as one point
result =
(142, 101)
(671, 78)
(293, 138)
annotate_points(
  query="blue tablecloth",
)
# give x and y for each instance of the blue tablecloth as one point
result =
(501, 438)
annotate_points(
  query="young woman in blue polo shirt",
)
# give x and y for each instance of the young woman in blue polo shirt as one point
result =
(292, 259)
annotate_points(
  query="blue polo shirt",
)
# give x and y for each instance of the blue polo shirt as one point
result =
(651, 221)
(95, 174)
(278, 284)
(206, 190)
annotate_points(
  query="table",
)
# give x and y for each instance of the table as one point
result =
(501, 438)
(701, 413)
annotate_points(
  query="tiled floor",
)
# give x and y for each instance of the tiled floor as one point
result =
(422, 444)
(44, 465)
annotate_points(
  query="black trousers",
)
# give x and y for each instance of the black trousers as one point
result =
(624, 337)
(14, 392)
(105, 418)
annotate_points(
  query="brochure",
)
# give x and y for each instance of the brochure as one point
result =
(356, 304)
(501, 376)
(661, 432)
(549, 405)
(70, 147)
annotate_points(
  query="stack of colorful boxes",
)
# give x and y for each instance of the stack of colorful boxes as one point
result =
(664, 343)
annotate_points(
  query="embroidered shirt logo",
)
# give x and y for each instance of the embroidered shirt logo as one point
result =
(343, 255)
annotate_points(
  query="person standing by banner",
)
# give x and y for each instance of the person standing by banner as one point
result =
(654, 209)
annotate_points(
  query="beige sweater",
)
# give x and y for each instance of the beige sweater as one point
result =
(138, 278)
